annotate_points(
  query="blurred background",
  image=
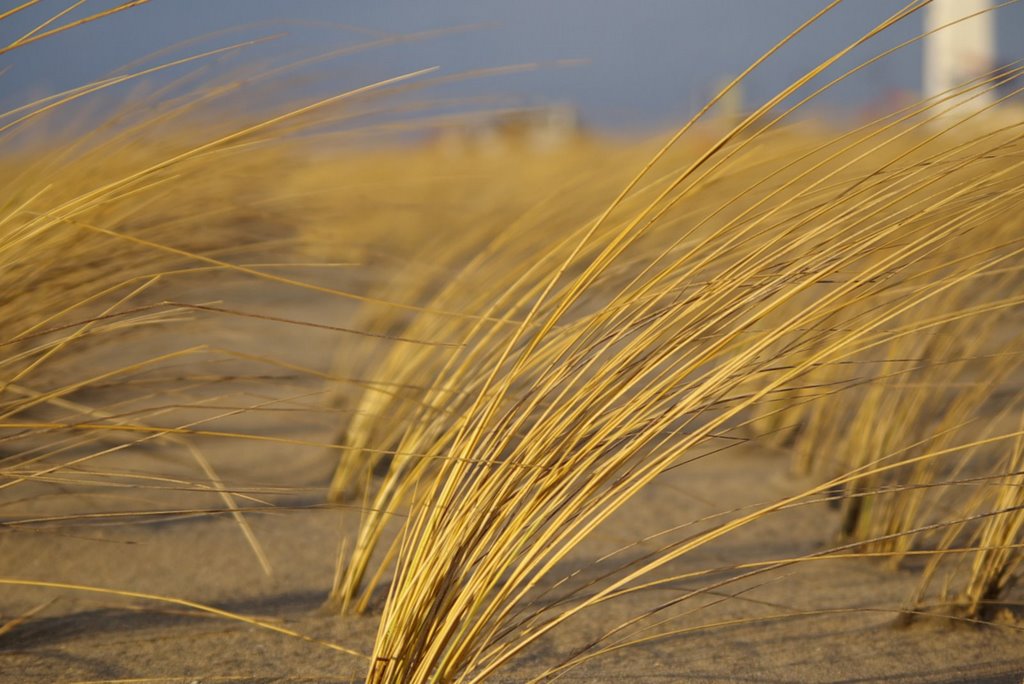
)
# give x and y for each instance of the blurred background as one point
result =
(644, 63)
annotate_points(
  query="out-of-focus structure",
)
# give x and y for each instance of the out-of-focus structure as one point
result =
(536, 129)
(961, 52)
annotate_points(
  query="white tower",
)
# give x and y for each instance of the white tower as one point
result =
(961, 52)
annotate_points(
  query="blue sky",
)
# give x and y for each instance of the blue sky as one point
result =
(648, 62)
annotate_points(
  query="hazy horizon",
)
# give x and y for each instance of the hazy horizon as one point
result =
(647, 63)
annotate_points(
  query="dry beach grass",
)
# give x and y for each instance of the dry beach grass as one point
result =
(742, 405)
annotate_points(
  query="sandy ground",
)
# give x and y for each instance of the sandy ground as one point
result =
(89, 637)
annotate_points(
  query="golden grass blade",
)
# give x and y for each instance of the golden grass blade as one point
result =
(211, 610)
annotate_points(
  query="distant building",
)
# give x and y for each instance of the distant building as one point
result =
(961, 52)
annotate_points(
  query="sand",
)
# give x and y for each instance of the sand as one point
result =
(90, 637)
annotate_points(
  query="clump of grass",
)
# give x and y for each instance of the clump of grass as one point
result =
(102, 227)
(473, 250)
(994, 566)
(932, 388)
(576, 415)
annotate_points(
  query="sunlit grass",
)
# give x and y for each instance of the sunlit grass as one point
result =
(530, 340)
